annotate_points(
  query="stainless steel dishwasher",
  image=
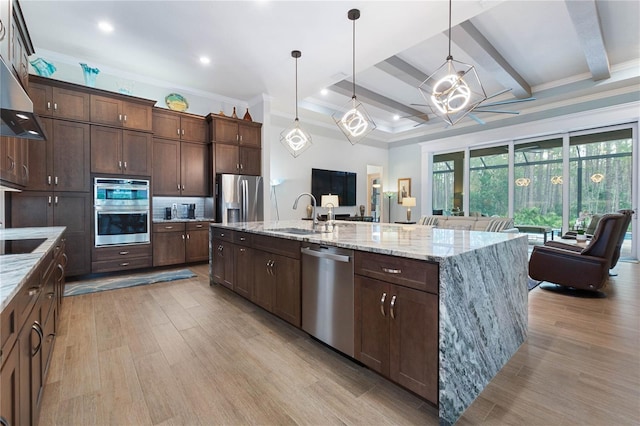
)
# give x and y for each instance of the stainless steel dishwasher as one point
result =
(327, 295)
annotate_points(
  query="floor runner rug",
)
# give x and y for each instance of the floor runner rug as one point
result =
(533, 283)
(112, 283)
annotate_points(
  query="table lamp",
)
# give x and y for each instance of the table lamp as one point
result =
(329, 201)
(409, 202)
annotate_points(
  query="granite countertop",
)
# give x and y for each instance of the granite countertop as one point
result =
(412, 241)
(16, 269)
(197, 219)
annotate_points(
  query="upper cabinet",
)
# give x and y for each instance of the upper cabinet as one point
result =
(58, 102)
(15, 43)
(118, 112)
(237, 145)
(180, 126)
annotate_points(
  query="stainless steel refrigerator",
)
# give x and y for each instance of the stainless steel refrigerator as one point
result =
(238, 198)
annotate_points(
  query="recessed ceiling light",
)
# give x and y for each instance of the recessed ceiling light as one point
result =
(105, 26)
(324, 92)
(204, 60)
(396, 117)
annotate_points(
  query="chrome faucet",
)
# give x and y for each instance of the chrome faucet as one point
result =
(315, 218)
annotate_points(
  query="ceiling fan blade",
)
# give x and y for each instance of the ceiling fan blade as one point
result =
(496, 111)
(498, 93)
(422, 105)
(510, 101)
(476, 118)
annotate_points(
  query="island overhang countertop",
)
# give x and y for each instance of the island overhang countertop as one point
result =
(482, 293)
(411, 241)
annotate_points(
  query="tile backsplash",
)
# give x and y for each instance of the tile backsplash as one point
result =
(159, 204)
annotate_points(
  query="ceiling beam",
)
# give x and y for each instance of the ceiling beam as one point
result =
(469, 39)
(403, 71)
(345, 88)
(587, 24)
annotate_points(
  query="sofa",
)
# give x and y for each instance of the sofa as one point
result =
(470, 223)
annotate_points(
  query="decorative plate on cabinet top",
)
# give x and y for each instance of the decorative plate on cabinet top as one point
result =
(176, 102)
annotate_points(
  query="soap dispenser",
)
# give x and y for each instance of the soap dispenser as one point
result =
(174, 210)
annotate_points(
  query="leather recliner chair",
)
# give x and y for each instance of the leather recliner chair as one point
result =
(574, 266)
(623, 230)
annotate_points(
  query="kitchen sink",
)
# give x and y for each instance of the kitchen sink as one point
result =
(296, 231)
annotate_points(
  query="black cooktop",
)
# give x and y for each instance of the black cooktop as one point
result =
(20, 246)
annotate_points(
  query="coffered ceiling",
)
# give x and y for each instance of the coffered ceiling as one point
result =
(568, 55)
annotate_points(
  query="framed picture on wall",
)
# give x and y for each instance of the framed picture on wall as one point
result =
(404, 188)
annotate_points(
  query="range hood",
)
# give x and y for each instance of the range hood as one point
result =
(17, 118)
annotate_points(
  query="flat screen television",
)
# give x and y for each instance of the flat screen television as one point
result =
(342, 184)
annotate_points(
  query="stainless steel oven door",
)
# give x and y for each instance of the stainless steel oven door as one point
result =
(121, 226)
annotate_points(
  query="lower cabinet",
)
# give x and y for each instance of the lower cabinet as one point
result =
(223, 271)
(120, 258)
(25, 359)
(396, 333)
(180, 242)
(243, 265)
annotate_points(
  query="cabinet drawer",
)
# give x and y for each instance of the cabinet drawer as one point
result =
(29, 293)
(412, 273)
(121, 252)
(121, 264)
(197, 226)
(243, 238)
(289, 248)
(8, 329)
(169, 227)
(223, 234)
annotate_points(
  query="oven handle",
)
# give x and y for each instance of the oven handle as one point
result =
(120, 211)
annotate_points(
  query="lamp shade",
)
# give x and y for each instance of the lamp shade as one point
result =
(329, 201)
(409, 201)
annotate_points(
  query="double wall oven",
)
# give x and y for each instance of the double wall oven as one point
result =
(122, 211)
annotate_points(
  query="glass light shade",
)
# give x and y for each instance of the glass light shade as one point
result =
(329, 201)
(597, 177)
(453, 90)
(295, 139)
(354, 121)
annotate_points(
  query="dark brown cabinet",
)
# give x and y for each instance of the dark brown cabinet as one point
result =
(237, 145)
(124, 152)
(223, 271)
(14, 164)
(121, 258)
(28, 330)
(175, 125)
(70, 209)
(58, 102)
(180, 242)
(243, 258)
(62, 162)
(120, 112)
(180, 168)
(396, 328)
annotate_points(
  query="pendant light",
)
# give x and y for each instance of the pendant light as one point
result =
(454, 89)
(353, 119)
(294, 138)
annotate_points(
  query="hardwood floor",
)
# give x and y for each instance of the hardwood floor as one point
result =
(185, 353)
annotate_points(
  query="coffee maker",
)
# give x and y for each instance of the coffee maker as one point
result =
(189, 211)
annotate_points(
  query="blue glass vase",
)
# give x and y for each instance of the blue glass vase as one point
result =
(89, 75)
(42, 67)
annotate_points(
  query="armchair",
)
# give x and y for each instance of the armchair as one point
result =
(623, 230)
(573, 266)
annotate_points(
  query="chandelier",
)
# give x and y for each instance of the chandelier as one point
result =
(294, 138)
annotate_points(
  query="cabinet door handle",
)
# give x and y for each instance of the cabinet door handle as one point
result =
(269, 267)
(183, 236)
(242, 250)
(55, 180)
(188, 237)
(33, 291)
(50, 295)
(55, 106)
(120, 165)
(48, 104)
(392, 271)
(48, 179)
(119, 117)
(12, 163)
(125, 165)
(200, 226)
(241, 166)
(382, 300)
(178, 130)
(183, 187)
(240, 138)
(237, 138)
(182, 132)
(65, 258)
(392, 306)
(124, 253)
(38, 329)
(124, 264)
(49, 199)
(55, 200)
(237, 166)
(222, 234)
(61, 268)
(125, 118)
(26, 172)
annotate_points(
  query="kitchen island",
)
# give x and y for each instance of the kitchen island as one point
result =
(479, 288)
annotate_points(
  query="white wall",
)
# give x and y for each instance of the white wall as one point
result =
(404, 162)
(330, 150)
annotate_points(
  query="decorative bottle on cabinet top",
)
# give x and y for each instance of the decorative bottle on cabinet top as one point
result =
(234, 115)
(247, 116)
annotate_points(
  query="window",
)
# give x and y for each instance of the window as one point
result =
(489, 181)
(448, 174)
